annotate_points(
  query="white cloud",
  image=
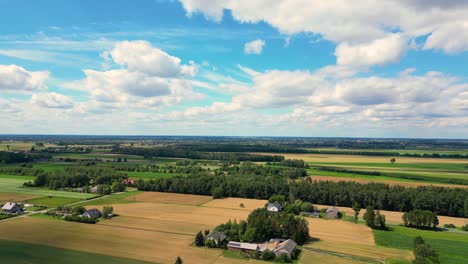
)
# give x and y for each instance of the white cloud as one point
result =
(254, 46)
(350, 21)
(14, 78)
(141, 56)
(451, 38)
(52, 100)
(379, 52)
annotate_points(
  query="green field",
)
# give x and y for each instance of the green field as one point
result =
(19, 252)
(16, 186)
(17, 177)
(149, 175)
(51, 202)
(452, 247)
(52, 166)
(97, 156)
(444, 167)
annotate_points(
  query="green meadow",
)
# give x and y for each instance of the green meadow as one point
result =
(16, 186)
(452, 247)
(20, 252)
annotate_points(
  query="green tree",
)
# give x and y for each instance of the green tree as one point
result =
(283, 258)
(118, 187)
(199, 240)
(369, 216)
(417, 241)
(78, 210)
(356, 209)
(104, 189)
(379, 221)
(217, 193)
(179, 260)
(107, 211)
(268, 255)
(425, 254)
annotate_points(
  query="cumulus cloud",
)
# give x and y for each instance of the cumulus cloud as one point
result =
(141, 56)
(350, 21)
(52, 100)
(451, 38)
(14, 78)
(378, 52)
(254, 47)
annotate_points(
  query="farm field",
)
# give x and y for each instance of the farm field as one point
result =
(118, 198)
(15, 186)
(452, 247)
(170, 198)
(401, 151)
(395, 217)
(234, 203)
(106, 156)
(19, 252)
(53, 201)
(5, 197)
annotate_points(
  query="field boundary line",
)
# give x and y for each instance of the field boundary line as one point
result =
(149, 230)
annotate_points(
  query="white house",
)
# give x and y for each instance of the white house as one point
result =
(274, 207)
(11, 208)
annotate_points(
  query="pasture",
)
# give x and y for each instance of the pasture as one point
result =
(452, 247)
(52, 201)
(16, 186)
(5, 197)
(170, 198)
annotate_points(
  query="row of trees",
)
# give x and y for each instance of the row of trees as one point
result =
(420, 219)
(240, 181)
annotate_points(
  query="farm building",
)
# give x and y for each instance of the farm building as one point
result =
(242, 247)
(128, 181)
(94, 189)
(286, 247)
(216, 236)
(332, 212)
(92, 213)
(11, 208)
(274, 207)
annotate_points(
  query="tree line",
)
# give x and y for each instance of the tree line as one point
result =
(252, 182)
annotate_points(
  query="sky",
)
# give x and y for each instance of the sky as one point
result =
(334, 68)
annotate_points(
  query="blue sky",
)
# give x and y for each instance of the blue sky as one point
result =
(279, 68)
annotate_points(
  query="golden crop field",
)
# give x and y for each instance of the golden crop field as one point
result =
(396, 217)
(15, 197)
(308, 257)
(145, 245)
(184, 214)
(170, 198)
(340, 231)
(234, 203)
(319, 158)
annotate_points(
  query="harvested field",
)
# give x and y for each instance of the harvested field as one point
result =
(360, 250)
(320, 158)
(234, 203)
(340, 231)
(180, 214)
(16, 197)
(309, 257)
(395, 217)
(401, 183)
(122, 242)
(170, 198)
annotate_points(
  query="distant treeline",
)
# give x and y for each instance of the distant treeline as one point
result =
(245, 183)
(73, 177)
(21, 157)
(181, 152)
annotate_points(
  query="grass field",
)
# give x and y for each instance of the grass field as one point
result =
(52, 166)
(20, 252)
(170, 198)
(97, 156)
(15, 186)
(17, 177)
(53, 201)
(452, 247)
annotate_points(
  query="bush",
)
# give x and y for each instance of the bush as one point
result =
(218, 192)
(283, 258)
(75, 218)
(465, 227)
(107, 211)
(450, 226)
(210, 243)
(268, 255)
(199, 240)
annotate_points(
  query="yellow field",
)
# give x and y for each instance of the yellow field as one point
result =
(15, 197)
(170, 198)
(340, 231)
(183, 214)
(396, 217)
(234, 203)
(308, 257)
(365, 159)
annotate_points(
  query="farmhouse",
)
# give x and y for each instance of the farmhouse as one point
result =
(332, 212)
(216, 236)
(92, 213)
(128, 181)
(286, 247)
(11, 208)
(242, 247)
(94, 189)
(274, 207)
